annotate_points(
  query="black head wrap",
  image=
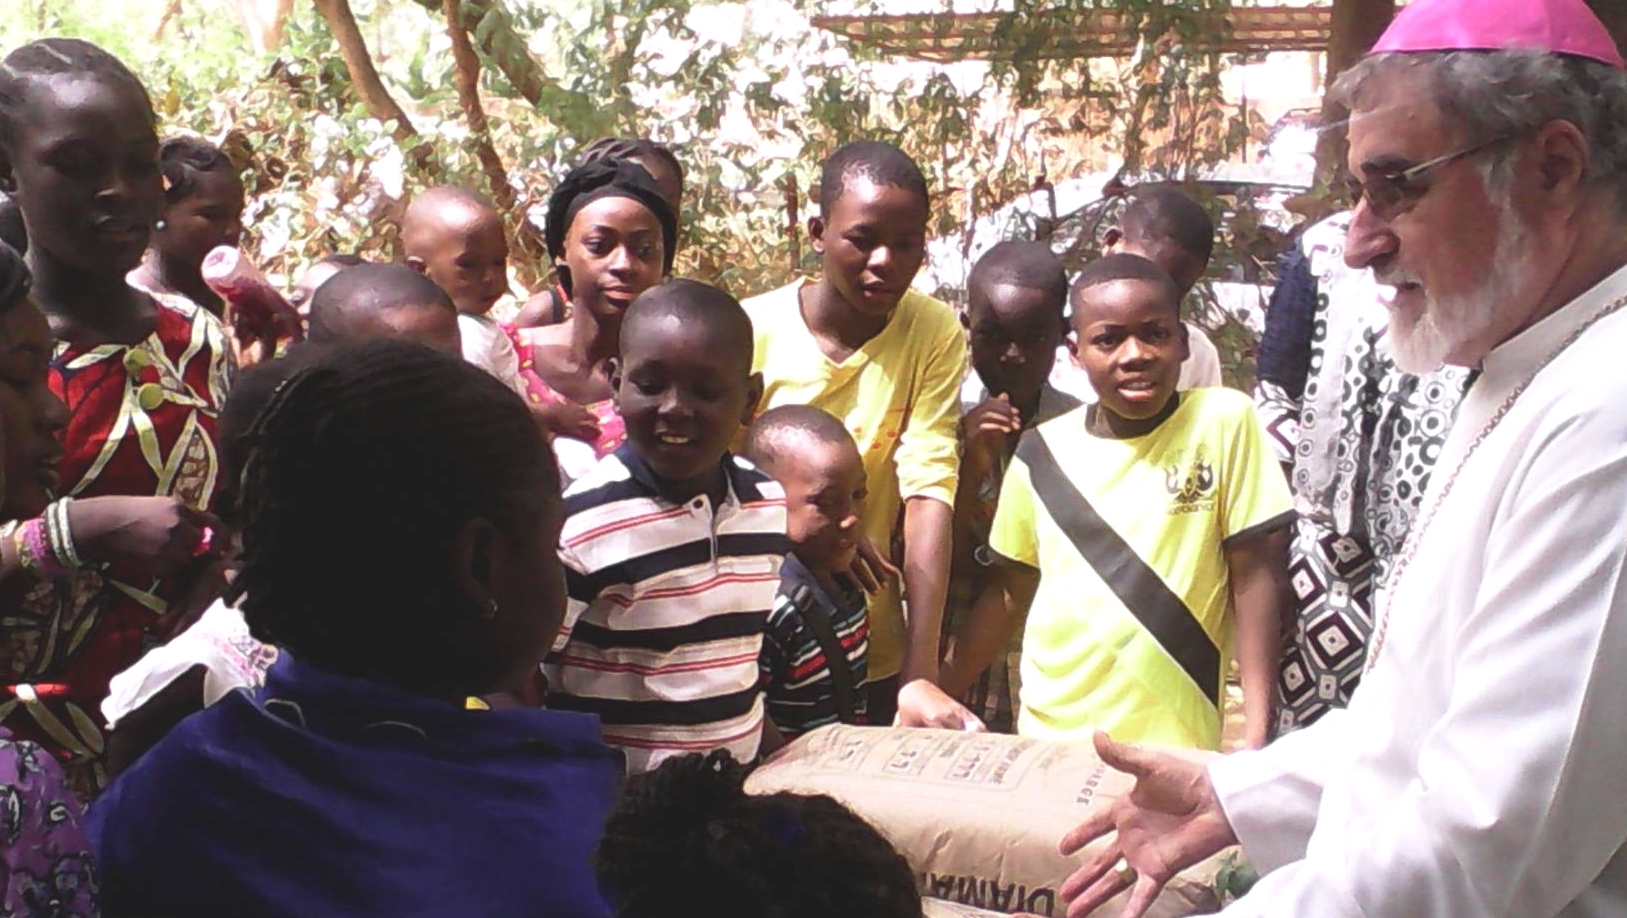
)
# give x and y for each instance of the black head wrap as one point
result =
(606, 178)
(15, 280)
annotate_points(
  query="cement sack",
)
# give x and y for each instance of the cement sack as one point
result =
(938, 908)
(977, 815)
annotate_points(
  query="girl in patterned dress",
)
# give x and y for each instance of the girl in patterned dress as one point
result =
(142, 374)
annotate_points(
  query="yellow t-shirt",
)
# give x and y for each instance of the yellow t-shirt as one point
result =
(1131, 627)
(899, 395)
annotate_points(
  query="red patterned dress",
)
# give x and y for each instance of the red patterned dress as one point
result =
(142, 423)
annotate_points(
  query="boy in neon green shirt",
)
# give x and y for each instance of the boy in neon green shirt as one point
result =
(1144, 537)
(888, 362)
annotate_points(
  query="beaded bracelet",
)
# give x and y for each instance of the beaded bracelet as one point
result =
(23, 541)
(32, 544)
(34, 550)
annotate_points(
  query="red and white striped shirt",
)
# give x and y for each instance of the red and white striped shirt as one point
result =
(667, 609)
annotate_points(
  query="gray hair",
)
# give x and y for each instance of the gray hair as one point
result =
(1492, 94)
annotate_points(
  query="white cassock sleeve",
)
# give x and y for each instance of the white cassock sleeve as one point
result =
(1271, 795)
(1514, 804)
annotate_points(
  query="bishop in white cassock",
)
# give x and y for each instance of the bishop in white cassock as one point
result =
(1481, 769)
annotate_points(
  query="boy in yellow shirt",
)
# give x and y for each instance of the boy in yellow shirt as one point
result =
(1141, 535)
(888, 361)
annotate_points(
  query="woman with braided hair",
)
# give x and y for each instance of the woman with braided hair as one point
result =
(400, 514)
(143, 376)
(688, 840)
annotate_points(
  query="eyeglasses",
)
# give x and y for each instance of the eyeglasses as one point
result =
(1387, 192)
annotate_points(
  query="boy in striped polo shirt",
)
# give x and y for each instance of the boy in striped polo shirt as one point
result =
(815, 654)
(672, 547)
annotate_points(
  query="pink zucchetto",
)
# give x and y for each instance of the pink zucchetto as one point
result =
(1556, 26)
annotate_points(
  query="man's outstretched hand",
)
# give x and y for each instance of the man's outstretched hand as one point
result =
(1170, 820)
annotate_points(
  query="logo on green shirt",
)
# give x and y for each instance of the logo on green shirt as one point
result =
(1193, 490)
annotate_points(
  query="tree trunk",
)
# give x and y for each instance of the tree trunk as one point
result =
(171, 10)
(1357, 25)
(466, 75)
(264, 20)
(364, 77)
(503, 47)
(793, 223)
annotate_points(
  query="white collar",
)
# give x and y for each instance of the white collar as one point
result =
(1526, 351)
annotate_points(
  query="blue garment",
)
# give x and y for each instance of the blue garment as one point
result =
(1284, 356)
(329, 796)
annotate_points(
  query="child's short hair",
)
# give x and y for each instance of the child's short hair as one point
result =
(881, 163)
(182, 159)
(1029, 265)
(426, 204)
(50, 57)
(687, 840)
(360, 472)
(1124, 267)
(368, 289)
(774, 436)
(697, 303)
(342, 259)
(1166, 212)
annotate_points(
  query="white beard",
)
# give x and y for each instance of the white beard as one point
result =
(1420, 344)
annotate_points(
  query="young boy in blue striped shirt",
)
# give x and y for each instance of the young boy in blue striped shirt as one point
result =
(815, 651)
(672, 547)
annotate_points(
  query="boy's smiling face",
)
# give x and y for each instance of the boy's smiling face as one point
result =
(683, 404)
(1015, 332)
(1131, 343)
(872, 243)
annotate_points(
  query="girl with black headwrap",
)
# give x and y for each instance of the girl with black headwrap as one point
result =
(611, 234)
(552, 306)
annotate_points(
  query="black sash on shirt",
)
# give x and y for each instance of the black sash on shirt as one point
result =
(1162, 613)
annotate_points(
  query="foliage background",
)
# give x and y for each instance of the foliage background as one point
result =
(750, 95)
